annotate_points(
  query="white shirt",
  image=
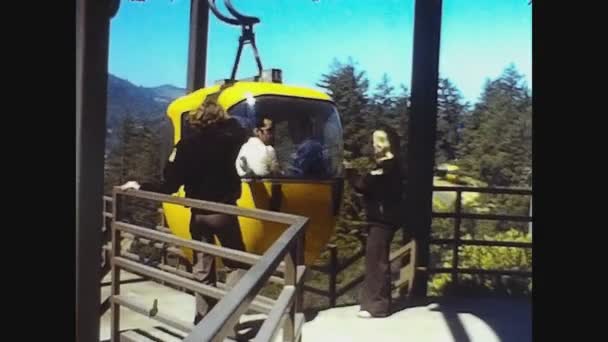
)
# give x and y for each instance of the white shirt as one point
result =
(256, 158)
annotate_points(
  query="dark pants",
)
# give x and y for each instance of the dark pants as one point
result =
(203, 227)
(376, 292)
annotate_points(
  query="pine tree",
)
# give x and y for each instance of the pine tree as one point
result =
(450, 113)
(391, 110)
(348, 88)
(134, 157)
(497, 139)
(383, 102)
(400, 120)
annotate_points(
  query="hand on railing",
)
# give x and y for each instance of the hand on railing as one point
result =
(130, 185)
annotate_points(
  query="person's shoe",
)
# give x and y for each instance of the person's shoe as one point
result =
(364, 314)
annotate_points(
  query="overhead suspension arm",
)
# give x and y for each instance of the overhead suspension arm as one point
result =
(247, 35)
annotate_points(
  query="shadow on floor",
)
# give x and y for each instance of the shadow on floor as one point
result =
(509, 318)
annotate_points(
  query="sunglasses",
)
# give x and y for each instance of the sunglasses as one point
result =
(267, 130)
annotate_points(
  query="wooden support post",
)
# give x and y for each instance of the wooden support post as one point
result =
(422, 129)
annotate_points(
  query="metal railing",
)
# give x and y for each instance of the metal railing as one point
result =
(458, 215)
(166, 250)
(285, 256)
(333, 267)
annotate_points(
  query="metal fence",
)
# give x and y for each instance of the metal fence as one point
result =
(456, 242)
(333, 267)
(288, 247)
(285, 257)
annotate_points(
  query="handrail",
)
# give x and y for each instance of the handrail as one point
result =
(490, 217)
(219, 322)
(216, 324)
(333, 293)
(456, 241)
(268, 331)
(334, 267)
(263, 215)
(484, 190)
(487, 243)
(244, 257)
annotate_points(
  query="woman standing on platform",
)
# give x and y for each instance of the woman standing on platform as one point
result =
(382, 191)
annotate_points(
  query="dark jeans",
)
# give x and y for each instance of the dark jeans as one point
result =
(375, 295)
(203, 227)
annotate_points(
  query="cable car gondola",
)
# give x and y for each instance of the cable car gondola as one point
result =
(300, 115)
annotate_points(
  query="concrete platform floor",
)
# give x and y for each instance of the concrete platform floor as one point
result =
(439, 320)
(170, 301)
(460, 320)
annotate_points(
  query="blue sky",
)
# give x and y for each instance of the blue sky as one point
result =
(149, 40)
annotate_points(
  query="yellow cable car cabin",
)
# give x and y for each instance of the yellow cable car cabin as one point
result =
(298, 114)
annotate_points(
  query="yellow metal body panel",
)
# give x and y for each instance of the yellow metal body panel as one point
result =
(310, 199)
(233, 95)
(313, 200)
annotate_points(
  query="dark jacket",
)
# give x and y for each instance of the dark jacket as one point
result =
(383, 193)
(204, 164)
(308, 160)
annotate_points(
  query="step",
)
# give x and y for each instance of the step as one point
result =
(156, 334)
(166, 334)
(133, 336)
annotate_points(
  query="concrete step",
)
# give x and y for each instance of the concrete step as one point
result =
(156, 334)
(133, 336)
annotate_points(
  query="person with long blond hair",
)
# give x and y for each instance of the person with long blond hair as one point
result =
(382, 190)
(203, 162)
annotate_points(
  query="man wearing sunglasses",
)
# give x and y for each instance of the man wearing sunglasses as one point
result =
(257, 157)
